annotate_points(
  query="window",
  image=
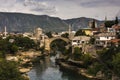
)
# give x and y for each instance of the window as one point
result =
(82, 41)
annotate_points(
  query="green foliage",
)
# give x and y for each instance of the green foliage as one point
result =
(110, 58)
(24, 42)
(92, 40)
(80, 33)
(93, 24)
(14, 49)
(77, 50)
(106, 54)
(116, 20)
(9, 71)
(68, 51)
(109, 23)
(2, 55)
(87, 59)
(96, 67)
(66, 35)
(116, 64)
(19, 42)
(77, 53)
(7, 47)
(49, 34)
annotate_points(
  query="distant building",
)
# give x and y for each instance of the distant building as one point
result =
(114, 42)
(102, 39)
(26, 34)
(71, 36)
(78, 41)
(116, 28)
(111, 30)
(38, 32)
(88, 31)
(93, 24)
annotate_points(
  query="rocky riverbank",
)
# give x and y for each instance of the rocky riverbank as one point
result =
(25, 60)
(74, 66)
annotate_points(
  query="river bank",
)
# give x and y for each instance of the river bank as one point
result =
(74, 66)
(25, 60)
(46, 69)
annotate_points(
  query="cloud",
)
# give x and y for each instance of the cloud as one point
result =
(99, 3)
(28, 6)
(63, 8)
(38, 6)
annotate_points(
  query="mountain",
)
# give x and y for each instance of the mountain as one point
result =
(20, 22)
(81, 22)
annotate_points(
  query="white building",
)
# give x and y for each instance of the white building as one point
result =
(78, 41)
(111, 30)
(102, 39)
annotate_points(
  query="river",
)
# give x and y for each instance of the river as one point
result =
(47, 70)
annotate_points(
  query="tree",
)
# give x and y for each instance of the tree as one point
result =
(93, 24)
(77, 53)
(116, 64)
(66, 35)
(9, 71)
(49, 34)
(14, 49)
(92, 40)
(80, 32)
(116, 20)
(109, 24)
(24, 42)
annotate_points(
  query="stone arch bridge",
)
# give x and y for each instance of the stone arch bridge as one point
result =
(50, 40)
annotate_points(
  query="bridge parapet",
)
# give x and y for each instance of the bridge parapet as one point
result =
(50, 40)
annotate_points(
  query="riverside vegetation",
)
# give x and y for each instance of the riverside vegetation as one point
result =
(10, 70)
(103, 65)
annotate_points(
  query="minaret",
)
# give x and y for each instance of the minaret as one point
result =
(105, 18)
(69, 30)
(105, 21)
(5, 31)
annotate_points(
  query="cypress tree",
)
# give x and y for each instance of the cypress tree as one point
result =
(93, 23)
(116, 20)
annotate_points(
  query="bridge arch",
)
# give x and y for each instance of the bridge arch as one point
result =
(48, 42)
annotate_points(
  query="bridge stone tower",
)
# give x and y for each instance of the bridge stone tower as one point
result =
(38, 33)
(70, 32)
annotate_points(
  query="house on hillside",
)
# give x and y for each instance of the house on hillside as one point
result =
(79, 41)
(114, 42)
(102, 39)
(116, 28)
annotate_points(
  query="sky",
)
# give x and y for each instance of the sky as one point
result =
(65, 9)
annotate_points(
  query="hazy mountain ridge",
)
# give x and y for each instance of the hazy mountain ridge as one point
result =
(81, 22)
(27, 22)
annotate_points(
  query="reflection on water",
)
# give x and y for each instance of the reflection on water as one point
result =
(47, 70)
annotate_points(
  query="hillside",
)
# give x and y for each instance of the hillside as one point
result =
(81, 22)
(19, 22)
